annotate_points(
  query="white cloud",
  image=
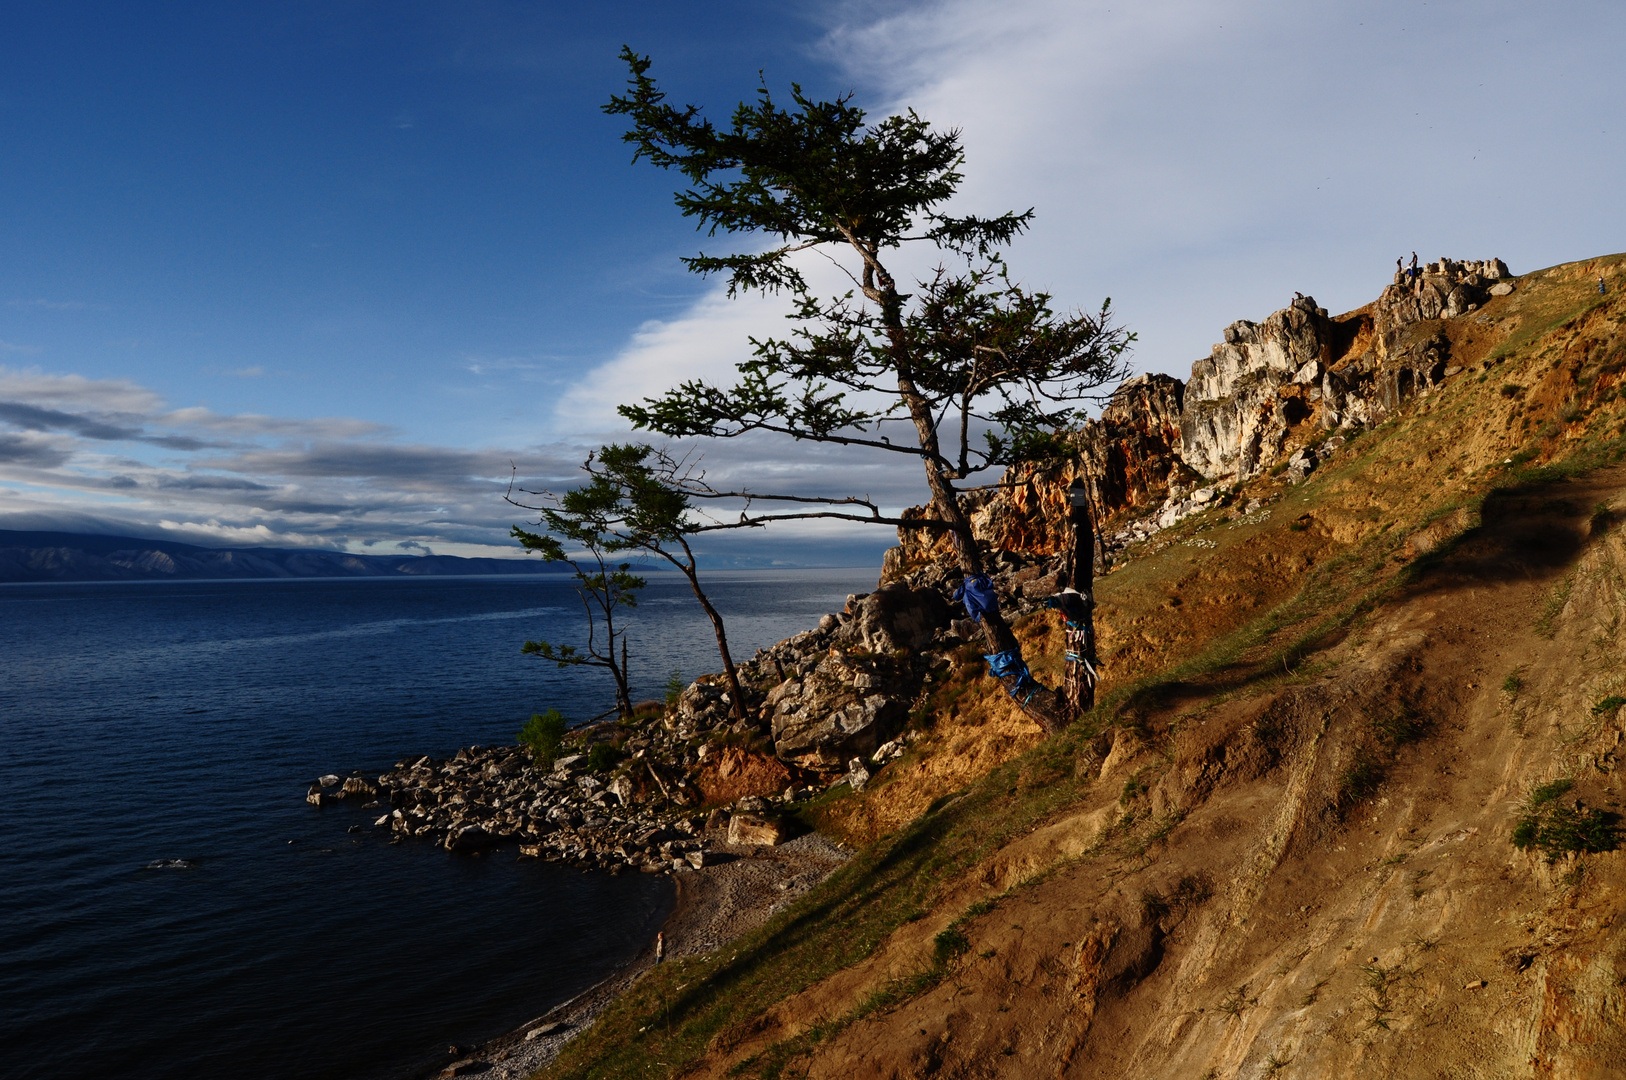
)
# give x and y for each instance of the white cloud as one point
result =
(1199, 161)
(35, 387)
(252, 425)
(47, 305)
(212, 533)
(705, 343)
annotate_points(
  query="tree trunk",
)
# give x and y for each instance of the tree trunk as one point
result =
(618, 671)
(623, 686)
(1038, 701)
(716, 625)
(1080, 635)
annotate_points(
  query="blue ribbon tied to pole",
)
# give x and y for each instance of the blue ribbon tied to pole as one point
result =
(1010, 663)
(977, 593)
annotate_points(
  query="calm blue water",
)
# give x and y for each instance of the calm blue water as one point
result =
(183, 720)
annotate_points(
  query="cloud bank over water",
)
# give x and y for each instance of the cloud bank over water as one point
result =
(111, 456)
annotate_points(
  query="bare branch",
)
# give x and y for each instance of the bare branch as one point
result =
(761, 520)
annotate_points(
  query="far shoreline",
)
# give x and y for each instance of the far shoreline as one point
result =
(542, 575)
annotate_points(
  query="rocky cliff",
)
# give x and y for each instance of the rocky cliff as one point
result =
(1270, 394)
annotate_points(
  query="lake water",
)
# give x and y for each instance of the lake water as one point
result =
(183, 720)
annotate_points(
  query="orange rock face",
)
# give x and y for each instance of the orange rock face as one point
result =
(737, 772)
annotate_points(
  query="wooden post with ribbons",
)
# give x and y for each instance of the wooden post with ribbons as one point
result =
(1079, 610)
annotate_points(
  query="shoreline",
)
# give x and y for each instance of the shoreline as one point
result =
(713, 906)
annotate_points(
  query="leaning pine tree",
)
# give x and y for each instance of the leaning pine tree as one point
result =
(985, 372)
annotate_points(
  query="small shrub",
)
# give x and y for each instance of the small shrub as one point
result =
(1602, 518)
(603, 756)
(1236, 1001)
(1509, 390)
(1362, 779)
(674, 687)
(1132, 787)
(1609, 705)
(1400, 728)
(1542, 794)
(948, 945)
(543, 734)
(1555, 829)
(1513, 683)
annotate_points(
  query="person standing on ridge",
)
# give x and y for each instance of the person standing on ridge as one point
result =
(1601, 289)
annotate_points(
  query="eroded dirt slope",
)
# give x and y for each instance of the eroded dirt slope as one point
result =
(1316, 879)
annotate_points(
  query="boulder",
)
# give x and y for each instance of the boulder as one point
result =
(469, 838)
(857, 775)
(895, 617)
(360, 785)
(702, 700)
(735, 773)
(1301, 464)
(752, 830)
(1502, 288)
(833, 730)
(330, 780)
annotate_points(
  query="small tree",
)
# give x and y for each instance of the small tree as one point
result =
(983, 372)
(641, 501)
(582, 518)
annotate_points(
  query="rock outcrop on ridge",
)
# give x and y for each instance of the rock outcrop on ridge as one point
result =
(1269, 396)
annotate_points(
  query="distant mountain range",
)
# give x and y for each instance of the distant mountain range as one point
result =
(64, 556)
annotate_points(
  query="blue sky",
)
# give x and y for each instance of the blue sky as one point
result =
(316, 273)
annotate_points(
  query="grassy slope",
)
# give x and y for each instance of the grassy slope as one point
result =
(1224, 606)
